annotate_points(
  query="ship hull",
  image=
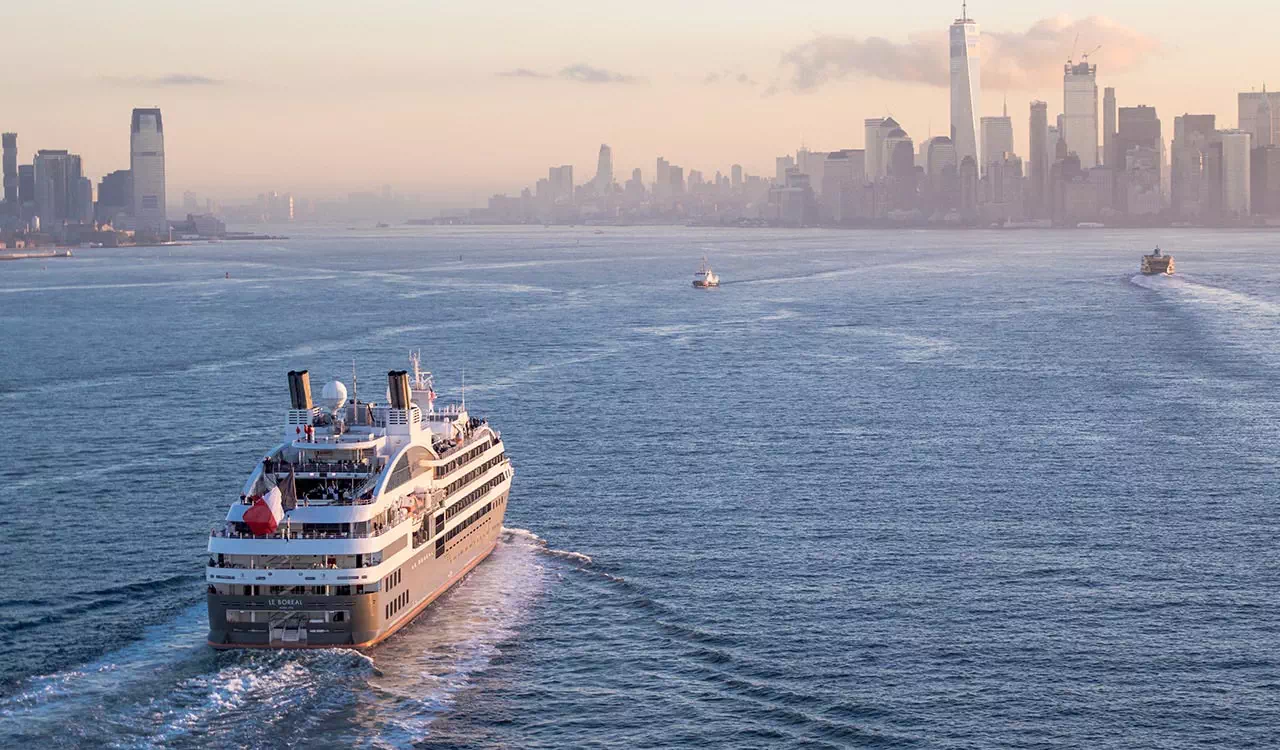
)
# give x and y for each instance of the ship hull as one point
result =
(285, 621)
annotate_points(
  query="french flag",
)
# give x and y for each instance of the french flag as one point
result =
(265, 514)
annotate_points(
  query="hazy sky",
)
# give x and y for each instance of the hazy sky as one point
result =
(324, 97)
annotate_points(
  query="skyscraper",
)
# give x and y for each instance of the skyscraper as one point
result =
(146, 163)
(604, 170)
(1264, 129)
(1138, 159)
(735, 173)
(1109, 156)
(877, 130)
(966, 87)
(1192, 136)
(1040, 158)
(1249, 103)
(997, 138)
(9, 142)
(1080, 109)
(57, 181)
(1236, 180)
(115, 196)
(1265, 174)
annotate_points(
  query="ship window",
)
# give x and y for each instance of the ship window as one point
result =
(400, 474)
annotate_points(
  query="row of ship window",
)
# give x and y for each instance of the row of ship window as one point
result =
(444, 539)
(393, 580)
(471, 497)
(395, 605)
(226, 589)
(267, 615)
(462, 481)
(461, 545)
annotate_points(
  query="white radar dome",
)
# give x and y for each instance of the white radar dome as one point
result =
(334, 396)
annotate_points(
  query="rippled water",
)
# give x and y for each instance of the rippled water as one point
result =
(882, 490)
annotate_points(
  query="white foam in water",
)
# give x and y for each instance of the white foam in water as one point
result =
(1238, 320)
(169, 689)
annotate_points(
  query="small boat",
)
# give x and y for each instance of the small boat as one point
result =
(705, 278)
(1157, 263)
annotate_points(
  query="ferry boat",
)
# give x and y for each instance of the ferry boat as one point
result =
(1157, 263)
(364, 515)
(705, 278)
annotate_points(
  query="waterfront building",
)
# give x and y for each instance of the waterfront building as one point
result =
(56, 181)
(1265, 174)
(146, 162)
(115, 196)
(966, 86)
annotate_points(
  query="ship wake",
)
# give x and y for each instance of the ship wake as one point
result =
(169, 689)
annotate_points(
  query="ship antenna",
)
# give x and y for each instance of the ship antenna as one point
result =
(464, 390)
(355, 388)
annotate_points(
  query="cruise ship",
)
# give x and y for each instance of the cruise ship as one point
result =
(359, 519)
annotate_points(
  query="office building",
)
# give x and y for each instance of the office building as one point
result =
(1265, 128)
(781, 165)
(877, 129)
(966, 87)
(1080, 112)
(1190, 183)
(604, 170)
(56, 179)
(1110, 157)
(1265, 174)
(842, 180)
(115, 196)
(146, 162)
(1236, 180)
(812, 163)
(9, 144)
(997, 138)
(1040, 159)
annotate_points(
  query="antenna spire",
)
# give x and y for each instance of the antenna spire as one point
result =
(964, 10)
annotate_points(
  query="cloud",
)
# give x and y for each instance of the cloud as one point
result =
(583, 73)
(522, 73)
(172, 79)
(1010, 60)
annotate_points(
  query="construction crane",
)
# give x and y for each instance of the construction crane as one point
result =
(1085, 56)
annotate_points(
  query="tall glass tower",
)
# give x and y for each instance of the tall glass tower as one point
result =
(146, 162)
(966, 87)
(1080, 109)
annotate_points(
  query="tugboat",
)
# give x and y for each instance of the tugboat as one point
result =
(705, 278)
(1157, 263)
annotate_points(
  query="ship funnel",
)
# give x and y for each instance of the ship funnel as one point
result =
(398, 385)
(300, 390)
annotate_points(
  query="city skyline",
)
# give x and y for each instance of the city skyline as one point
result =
(792, 84)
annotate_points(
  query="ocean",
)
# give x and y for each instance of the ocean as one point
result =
(913, 489)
